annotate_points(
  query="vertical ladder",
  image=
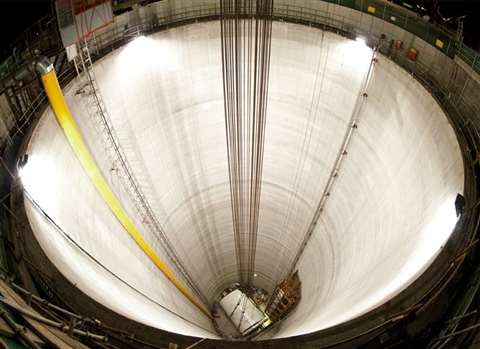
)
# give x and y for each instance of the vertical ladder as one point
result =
(96, 108)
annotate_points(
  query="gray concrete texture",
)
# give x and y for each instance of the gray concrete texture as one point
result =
(389, 214)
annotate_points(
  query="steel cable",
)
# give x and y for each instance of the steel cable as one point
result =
(313, 114)
(96, 261)
(338, 162)
(246, 29)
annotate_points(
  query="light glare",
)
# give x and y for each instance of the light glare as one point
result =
(146, 54)
(361, 40)
(39, 176)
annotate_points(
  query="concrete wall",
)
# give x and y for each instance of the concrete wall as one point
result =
(389, 213)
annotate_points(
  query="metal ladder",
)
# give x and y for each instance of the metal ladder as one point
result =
(96, 109)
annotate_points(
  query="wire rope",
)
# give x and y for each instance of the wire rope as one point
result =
(246, 29)
(89, 255)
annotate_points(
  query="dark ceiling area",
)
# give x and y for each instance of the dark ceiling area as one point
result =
(17, 15)
(470, 8)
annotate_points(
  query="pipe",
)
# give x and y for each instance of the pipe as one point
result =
(196, 343)
(52, 323)
(43, 66)
(18, 329)
(74, 137)
(43, 301)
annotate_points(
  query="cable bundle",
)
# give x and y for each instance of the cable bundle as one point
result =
(246, 30)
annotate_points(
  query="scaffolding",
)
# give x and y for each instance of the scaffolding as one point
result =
(284, 297)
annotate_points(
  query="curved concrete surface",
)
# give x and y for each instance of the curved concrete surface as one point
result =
(389, 213)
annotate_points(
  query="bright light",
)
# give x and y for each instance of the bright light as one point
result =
(358, 54)
(146, 54)
(428, 244)
(31, 174)
(430, 241)
(441, 225)
(361, 40)
(39, 177)
(22, 173)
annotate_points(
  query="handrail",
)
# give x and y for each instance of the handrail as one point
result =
(389, 12)
(114, 37)
(378, 8)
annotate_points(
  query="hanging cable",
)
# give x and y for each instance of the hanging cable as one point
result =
(246, 29)
(338, 161)
(313, 115)
(77, 246)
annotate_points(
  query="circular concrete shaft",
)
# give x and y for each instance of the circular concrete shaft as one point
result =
(388, 215)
